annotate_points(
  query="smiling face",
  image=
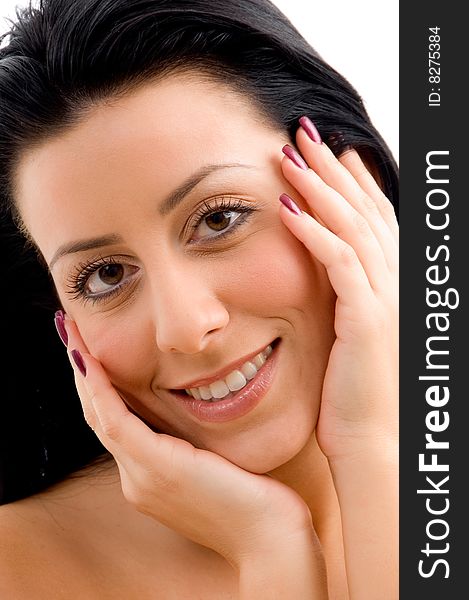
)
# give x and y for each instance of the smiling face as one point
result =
(158, 216)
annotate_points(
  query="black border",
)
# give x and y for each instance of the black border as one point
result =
(425, 128)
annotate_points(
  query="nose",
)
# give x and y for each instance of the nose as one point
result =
(187, 313)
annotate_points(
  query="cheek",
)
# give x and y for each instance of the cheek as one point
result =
(273, 273)
(123, 345)
(271, 276)
(126, 348)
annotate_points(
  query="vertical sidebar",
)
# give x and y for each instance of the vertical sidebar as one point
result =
(434, 415)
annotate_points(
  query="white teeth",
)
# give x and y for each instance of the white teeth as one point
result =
(205, 393)
(219, 389)
(249, 370)
(235, 381)
(195, 392)
(259, 360)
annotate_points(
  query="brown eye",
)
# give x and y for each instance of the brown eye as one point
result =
(111, 274)
(219, 220)
(108, 277)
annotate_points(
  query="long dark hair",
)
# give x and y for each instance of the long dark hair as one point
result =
(66, 56)
(43, 436)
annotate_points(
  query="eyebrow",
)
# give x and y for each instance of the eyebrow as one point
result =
(169, 203)
(177, 195)
(82, 245)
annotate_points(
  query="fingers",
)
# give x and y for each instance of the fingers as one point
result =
(105, 412)
(75, 350)
(353, 163)
(137, 449)
(350, 177)
(340, 217)
(345, 271)
(338, 202)
(369, 201)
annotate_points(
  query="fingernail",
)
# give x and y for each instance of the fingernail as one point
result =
(295, 157)
(290, 204)
(310, 129)
(78, 358)
(60, 326)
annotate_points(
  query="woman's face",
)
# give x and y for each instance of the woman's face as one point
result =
(158, 216)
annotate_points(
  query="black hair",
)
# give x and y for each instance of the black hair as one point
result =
(43, 436)
(64, 57)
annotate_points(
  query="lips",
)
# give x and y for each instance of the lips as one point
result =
(235, 404)
(222, 373)
(233, 382)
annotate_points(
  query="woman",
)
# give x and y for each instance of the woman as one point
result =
(236, 355)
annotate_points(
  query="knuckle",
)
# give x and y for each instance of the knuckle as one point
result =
(368, 203)
(111, 428)
(361, 172)
(361, 225)
(346, 254)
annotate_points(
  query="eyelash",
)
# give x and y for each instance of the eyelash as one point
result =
(77, 281)
(225, 204)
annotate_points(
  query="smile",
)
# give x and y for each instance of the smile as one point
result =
(235, 380)
(234, 395)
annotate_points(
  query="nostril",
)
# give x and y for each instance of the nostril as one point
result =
(189, 321)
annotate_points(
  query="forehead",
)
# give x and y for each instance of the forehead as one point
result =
(144, 143)
(180, 110)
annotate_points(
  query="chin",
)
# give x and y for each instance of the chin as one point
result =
(264, 453)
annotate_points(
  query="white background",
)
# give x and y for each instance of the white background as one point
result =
(359, 38)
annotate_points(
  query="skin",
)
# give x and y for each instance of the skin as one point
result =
(192, 313)
(188, 313)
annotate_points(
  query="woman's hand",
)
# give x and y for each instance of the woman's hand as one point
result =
(352, 230)
(349, 226)
(259, 525)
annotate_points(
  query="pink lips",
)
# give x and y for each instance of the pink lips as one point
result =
(236, 404)
(219, 374)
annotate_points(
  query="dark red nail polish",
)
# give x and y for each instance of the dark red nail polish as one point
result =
(295, 157)
(59, 325)
(290, 204)
(310, 129)
(78, 358)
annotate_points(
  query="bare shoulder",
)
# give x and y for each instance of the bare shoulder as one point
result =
(41, 556)
(29, 561)
(67, 545)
